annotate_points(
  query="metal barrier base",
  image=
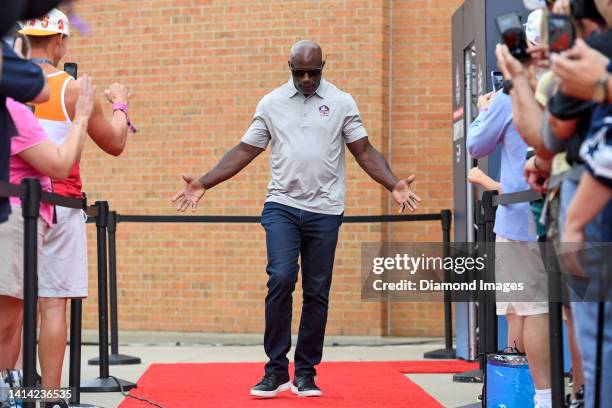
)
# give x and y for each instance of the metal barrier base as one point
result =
(474, 405)
(441, 354)
(474, 376)
(116, 359)
(106, 385)
(82, 406)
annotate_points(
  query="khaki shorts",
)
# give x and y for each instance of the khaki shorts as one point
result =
(520, 262)
(11, 253)
(63, 271)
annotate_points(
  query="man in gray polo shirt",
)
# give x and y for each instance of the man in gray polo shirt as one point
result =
(307, 122)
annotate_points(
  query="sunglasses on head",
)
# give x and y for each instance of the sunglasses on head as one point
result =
(310, 72)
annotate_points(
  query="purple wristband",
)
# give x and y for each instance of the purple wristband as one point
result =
(124, 108)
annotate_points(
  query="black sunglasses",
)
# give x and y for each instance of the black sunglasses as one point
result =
(310, 72)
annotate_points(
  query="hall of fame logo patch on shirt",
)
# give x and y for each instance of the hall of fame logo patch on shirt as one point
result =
(324, 110)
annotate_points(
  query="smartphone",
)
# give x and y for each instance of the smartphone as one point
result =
(512, 34)
(497, 80)
(508, 21)
(71, 68)
(560, 31)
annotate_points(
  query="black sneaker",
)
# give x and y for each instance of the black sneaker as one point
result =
(304, 386)
(270, 385)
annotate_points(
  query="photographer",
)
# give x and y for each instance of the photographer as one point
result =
(558, 129)
(585, 73)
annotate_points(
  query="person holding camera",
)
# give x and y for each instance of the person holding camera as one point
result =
(64, 254)
(516, 255)
(556, 166)
(585, 73)
(33, 155)
(307, 121)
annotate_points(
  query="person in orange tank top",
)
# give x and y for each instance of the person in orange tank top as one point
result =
(63, 271)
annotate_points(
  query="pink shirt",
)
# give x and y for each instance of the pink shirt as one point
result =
(30, 134)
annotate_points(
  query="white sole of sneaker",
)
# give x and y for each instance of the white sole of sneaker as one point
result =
(311, 393)
(273, 393)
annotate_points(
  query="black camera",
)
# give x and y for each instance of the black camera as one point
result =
(513, 35)
(559, 32)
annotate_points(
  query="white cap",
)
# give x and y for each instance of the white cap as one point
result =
(533, 27)
(54, 22)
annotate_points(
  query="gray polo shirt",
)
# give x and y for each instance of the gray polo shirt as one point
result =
(307, 137)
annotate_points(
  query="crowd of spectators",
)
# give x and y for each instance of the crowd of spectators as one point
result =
(553, 122)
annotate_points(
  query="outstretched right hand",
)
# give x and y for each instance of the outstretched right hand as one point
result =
(190, 195)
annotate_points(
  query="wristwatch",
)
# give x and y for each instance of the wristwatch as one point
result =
(600, 94)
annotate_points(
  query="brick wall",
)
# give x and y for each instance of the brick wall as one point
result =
(196, 69)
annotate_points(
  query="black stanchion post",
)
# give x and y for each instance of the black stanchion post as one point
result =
(103, 383)
(101, 225)
(476, 376)
(112, 270)
(447, 352)
(446, 216)
(74, 376)
(115, 358)
(489, 308)
(601, 315)
(555, 324)
(30, 210)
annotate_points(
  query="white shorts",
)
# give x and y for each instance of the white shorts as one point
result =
(520, 262)
(11, 253)
(63, 271)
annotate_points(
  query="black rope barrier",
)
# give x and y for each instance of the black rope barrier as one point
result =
(103, 383)
(114, 358)
(106, 223)
(490, 201)
(30, 206)
(31, 195)
(477, 375)
(63, 201)
(448, 352)
(445, 216)
(249, 219)
(12, 190)
(516, 198)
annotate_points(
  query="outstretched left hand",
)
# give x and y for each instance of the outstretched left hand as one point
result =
(404, 196)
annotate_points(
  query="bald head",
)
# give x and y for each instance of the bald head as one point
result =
(306, 64)
(306, 51)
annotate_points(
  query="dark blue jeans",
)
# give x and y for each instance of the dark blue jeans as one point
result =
(291, 232)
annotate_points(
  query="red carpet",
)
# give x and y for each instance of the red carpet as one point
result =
(344, 384)
(435, 366)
